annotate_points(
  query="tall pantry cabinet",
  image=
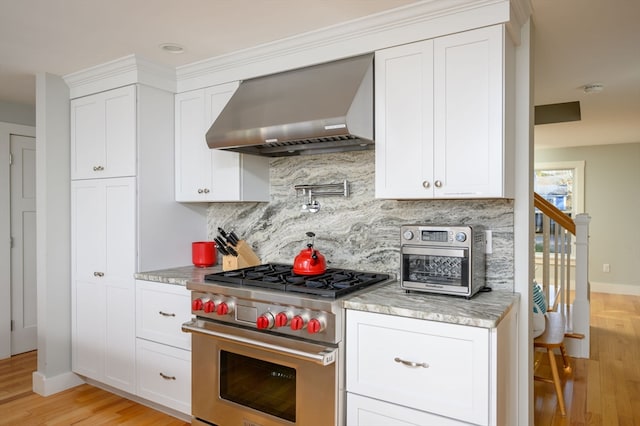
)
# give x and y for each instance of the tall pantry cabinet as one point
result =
(124, 220)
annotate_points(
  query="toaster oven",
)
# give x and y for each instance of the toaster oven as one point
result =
(442, 259)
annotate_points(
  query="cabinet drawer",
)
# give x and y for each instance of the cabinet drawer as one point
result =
(452, 382)
(362, 411)
(164, 375)
(161, 309)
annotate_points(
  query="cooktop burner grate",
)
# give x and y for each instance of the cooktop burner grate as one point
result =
(333, 283)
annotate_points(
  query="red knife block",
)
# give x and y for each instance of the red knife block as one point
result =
(246, 257)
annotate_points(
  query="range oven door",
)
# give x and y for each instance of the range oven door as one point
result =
(435, 269)
(244, 377)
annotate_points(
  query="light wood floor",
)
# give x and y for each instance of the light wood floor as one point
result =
(82, 405)
(605, 389)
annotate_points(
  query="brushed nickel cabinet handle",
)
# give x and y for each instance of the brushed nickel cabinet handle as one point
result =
(164, 376)
(98, 274)
(165, 314)
(411, 363)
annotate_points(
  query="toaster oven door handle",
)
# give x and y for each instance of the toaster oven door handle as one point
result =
(429, 251)
(324, 356)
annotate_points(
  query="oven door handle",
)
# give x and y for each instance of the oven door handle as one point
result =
(440, 252)
(326, 356)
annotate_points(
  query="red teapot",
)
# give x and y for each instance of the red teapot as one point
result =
(309, 261)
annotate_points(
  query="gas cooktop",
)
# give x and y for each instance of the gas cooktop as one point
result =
(334, 283)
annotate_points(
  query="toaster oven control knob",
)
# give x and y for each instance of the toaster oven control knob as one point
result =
(315, 326)
(223, 308)
(297, 323)
(282, 319)
(209, 306)
(461, 237)
(197, 304)
(265, 321)
(408, 235)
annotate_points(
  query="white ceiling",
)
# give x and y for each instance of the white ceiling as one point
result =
(577, 42)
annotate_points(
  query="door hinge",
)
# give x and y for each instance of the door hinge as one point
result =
(10, 159)
(11, 325)
(10, 242)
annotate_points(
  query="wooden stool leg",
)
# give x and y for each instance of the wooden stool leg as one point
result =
(565, 359)
(556, 380)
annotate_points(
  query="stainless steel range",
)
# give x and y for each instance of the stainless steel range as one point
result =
(267, 346)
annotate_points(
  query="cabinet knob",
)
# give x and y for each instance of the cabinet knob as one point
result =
(200, 190)
(98, 168)
(438, 184)
(206, 190)
(426, 184)
(98, 274)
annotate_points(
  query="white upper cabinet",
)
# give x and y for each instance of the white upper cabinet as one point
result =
(103, 134)
(440, 118)
(204, 174)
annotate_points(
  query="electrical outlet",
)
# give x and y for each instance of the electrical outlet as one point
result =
(606, 267)
(488, 241)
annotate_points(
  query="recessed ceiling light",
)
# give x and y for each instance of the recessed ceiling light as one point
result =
(172, 48)
(593, 88)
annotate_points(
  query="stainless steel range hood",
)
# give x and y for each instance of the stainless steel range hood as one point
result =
(323, 108)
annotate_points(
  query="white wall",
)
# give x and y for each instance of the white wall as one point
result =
(17, 113)
(53, 236)
(612, 199)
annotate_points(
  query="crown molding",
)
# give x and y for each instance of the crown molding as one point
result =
(417, 21)
(127, 70)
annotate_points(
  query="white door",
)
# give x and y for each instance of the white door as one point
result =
(23, 249)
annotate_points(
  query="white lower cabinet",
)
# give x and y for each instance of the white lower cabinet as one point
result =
(365, 411)
(164, 375)
(408, 370)
(103, 262)
(163, 351)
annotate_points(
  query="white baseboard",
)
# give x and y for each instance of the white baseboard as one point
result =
(631, 290)
(46, 386)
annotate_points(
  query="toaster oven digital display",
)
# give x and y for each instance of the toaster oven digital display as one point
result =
(436, 236)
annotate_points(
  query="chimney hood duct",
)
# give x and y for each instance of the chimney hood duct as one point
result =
(319, 109)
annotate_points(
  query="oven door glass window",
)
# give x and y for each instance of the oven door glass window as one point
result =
(436, 269)
(261, 385)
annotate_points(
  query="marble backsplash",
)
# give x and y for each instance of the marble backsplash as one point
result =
(359, 232)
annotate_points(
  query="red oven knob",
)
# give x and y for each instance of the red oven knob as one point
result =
(297, 323)
(264, 321)
(282, 319)
(315, 326)
(197, 304)
(223, 309)
(209, 306)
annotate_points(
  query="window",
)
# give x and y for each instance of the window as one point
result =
(562, 184)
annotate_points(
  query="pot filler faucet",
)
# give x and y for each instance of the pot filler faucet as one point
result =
(312, 205)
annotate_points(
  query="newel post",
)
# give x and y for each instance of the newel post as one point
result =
(581, 303)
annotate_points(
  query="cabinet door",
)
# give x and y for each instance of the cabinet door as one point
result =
(404, 121)
(224, 180)
(103, 293)
(161, 309)
(164, 375)
(363, 411)
(193, 156)
(469, 159)
(103, 134)
(429, 366)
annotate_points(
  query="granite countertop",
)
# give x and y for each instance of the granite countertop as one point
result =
(485, 309)
(178, 276)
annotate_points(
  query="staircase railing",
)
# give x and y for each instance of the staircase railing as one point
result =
(570, 295)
